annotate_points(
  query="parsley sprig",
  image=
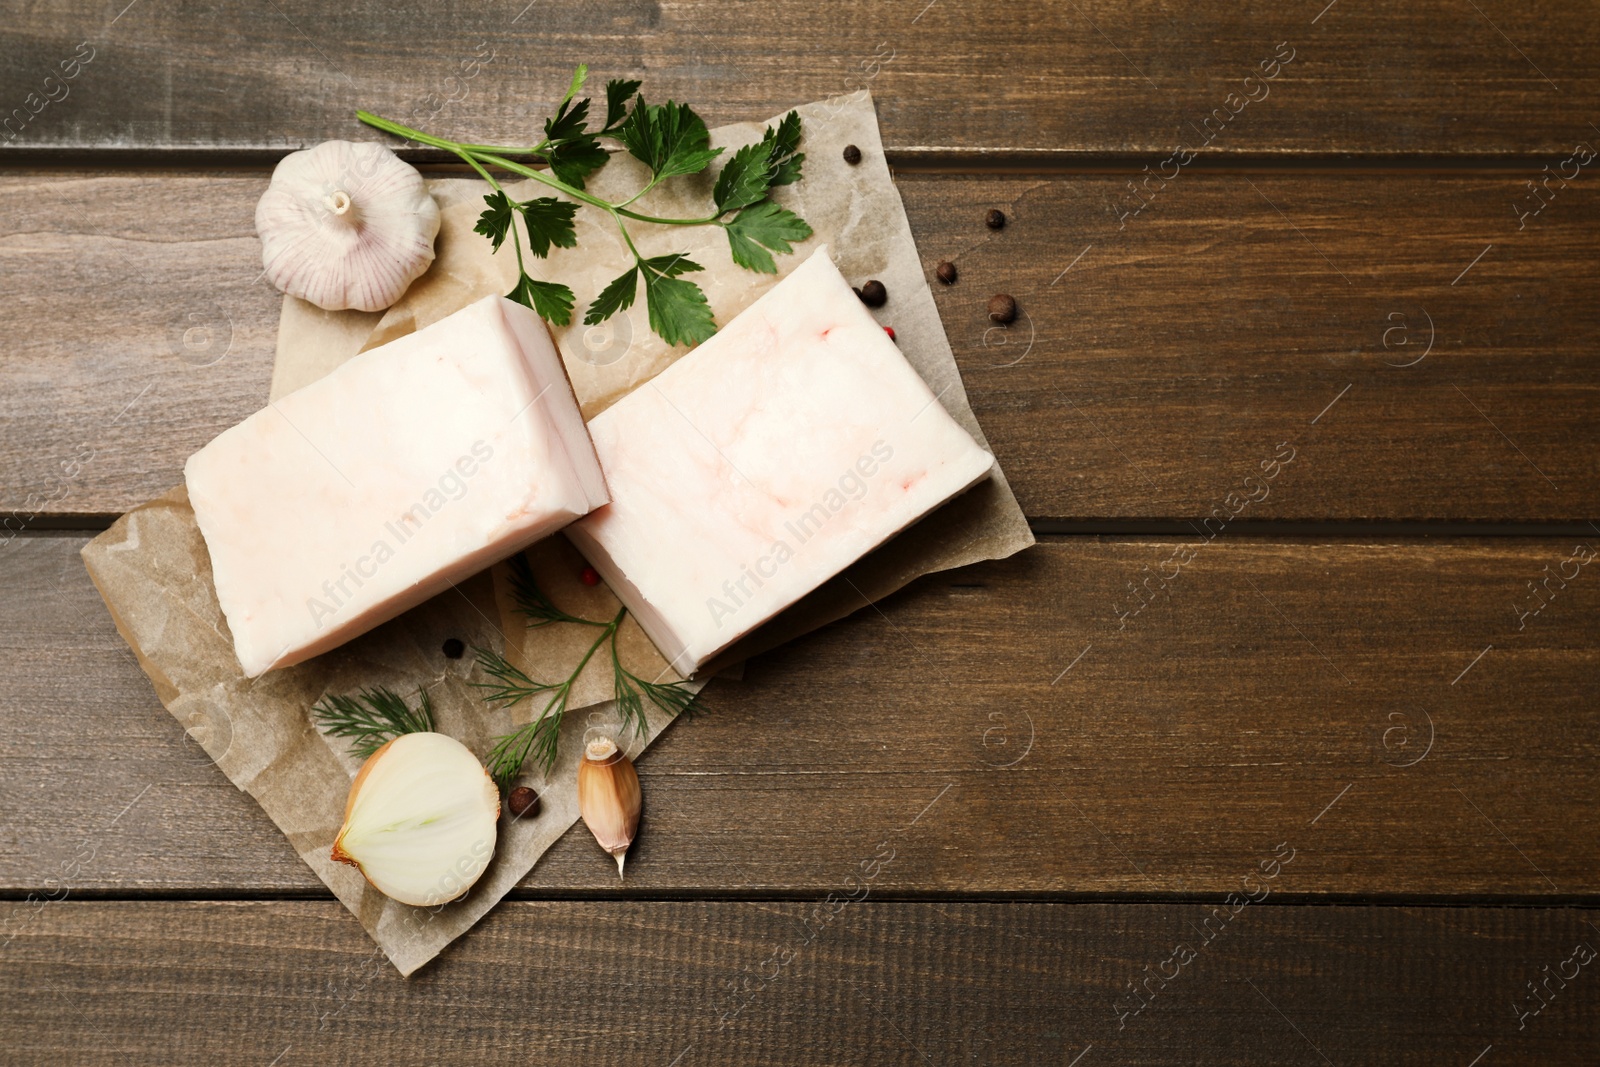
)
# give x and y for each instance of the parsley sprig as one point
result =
(672, 141)
(538, 738)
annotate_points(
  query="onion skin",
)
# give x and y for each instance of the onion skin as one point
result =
(609, 798)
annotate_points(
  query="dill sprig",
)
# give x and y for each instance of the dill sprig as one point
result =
(538, 739)
(510, 683)
(533, 603)
(673, 698)
(373, 717)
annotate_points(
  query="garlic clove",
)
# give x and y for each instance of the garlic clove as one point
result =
(346, 225)
(608, 796)
(421, 820)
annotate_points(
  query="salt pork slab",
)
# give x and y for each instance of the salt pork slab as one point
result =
(409, 468)
(765, 462)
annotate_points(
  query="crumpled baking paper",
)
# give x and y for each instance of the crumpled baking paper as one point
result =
(153, 570)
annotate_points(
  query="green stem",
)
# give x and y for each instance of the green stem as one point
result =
(490, 154)
(508, 150)
(544, 178)
(516, 242)
(502, 770)
(651, 185)
(637, 258)
(475, 165)
(388, 126)
(618, 209)
(611, 628)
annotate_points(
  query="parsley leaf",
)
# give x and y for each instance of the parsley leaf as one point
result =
(573, 161)
(496, 220)
(572, 152)
(678, 309)
(549, 222)
(552, 300)
(745, 179)
(616, 296)
(579, 74)
(569, 121)
(618, 92)
(766, 224)
(785, 160)
(757, 168)
(668, 138)
(671, 266)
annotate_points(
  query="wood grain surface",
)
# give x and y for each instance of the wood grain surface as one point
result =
(961, 826)
(977, 78)
(1430, 360)
(1001, 724)
(816, 982)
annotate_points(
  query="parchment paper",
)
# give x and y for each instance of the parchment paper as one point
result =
(153, 570)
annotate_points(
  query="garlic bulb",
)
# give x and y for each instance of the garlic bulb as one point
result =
(421, 820)
(608, 796)
(346, 225)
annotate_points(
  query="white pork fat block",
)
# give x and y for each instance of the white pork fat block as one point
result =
(409, 468)
(765, 462)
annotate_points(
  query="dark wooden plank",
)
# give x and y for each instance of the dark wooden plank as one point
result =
(1147, 381)
(1000, 719)
(807, 983)
(979, 77)
(1164, 355)
(137, 327)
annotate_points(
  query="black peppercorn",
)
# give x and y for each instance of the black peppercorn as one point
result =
(852, 154)
(873, 294)
(523, 801)
(995, 219)
(1002, 308)
(454, 648)
(946, 272)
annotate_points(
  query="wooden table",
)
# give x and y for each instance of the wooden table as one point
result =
(1324, 793)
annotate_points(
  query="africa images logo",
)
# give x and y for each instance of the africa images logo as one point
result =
(451, 485)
